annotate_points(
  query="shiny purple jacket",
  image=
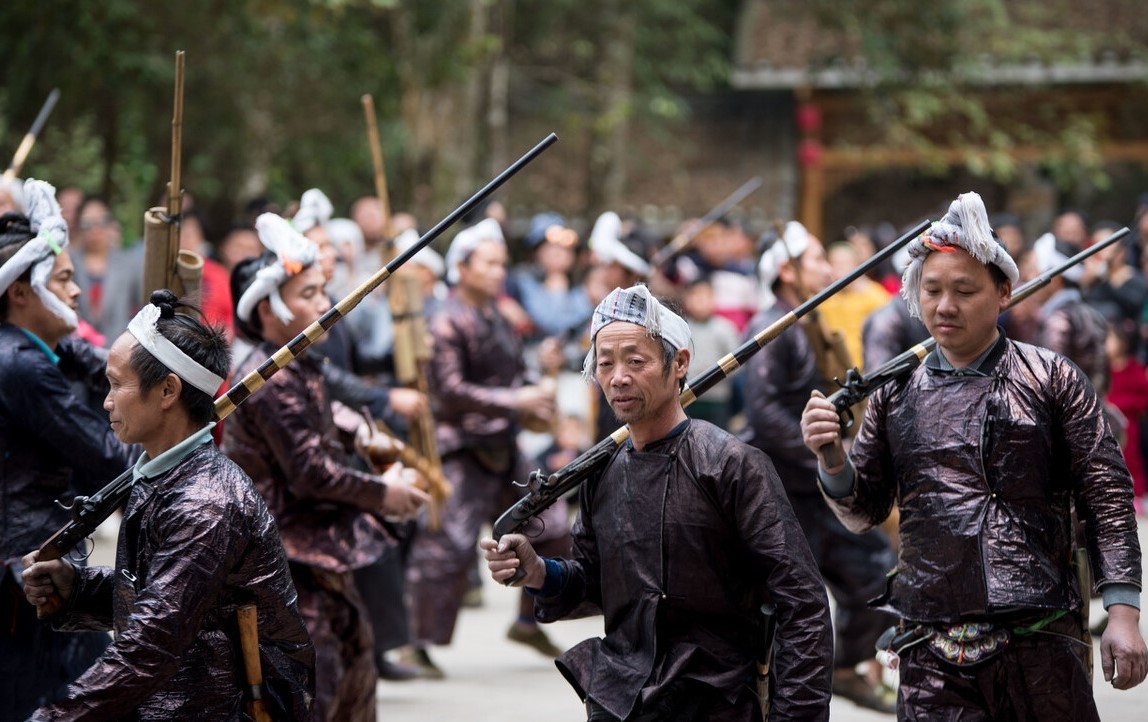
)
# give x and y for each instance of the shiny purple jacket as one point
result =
(678, 545)
(285, 439)
(474, 370)
(194, 545)
(985, 470)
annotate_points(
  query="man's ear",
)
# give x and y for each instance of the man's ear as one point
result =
(169, 390)
(263, 311)
(681, 363)
(19, 293)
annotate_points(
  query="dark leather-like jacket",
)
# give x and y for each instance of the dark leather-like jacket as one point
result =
(778, 380)
(195, 544)
(285, 439)
(52, 444)
(475, 367)
(678, 545)
(984, 470)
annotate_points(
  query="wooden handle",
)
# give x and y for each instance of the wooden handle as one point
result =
(54, 604)
(249, 643)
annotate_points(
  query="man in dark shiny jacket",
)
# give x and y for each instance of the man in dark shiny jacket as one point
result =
(329, 514)
(985, 448)
(679, 542)
(778, 381)
(197, 542)
(479, 389)
(52, 446)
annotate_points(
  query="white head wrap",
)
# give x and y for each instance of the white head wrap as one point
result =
(315, 209)
(965, 225)
(606, 243)
(294, 253)
(344, 231)
(1048, 257)
(636, 305)
(15, 188)
(426, 257)
(466, 240)
(47, 222)
(794, 241)
(143, 327)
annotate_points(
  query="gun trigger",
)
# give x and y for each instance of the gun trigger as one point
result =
(66, 507)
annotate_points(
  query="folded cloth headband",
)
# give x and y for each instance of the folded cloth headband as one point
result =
(315, 209)
(143, 327)
(47, 222)
(1048, 257)
(636, 305)
(293, 252)
(792, 244)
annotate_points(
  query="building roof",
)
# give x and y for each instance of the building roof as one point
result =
(784, 44)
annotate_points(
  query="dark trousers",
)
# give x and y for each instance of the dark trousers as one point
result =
(1038, 678)
(383, 589)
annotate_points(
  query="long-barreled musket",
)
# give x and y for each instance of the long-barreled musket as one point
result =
(411, 351)
(30, 137)
(165, 265)
(542, 491)
(683, 240)
(88, 512)
(857, 387)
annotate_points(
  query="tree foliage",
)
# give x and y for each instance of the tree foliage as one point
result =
(273, 87)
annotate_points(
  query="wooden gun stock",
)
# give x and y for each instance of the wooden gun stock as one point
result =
(248, 616)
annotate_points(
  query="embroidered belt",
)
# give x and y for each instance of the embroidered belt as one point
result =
(968, 643)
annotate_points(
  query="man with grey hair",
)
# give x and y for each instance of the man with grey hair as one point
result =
(986, 448)
(679, 542)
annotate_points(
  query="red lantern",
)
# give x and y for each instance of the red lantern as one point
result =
(809, 152)
(808, 118)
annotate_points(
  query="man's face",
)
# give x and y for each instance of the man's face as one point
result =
(628, 366)
(960, 304)
(99, 230)
(134, 414)
(328, 255)
(813, 270)
(304, 296)
(484, 272)
(61, 284)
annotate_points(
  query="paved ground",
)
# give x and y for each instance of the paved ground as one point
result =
(490, 678)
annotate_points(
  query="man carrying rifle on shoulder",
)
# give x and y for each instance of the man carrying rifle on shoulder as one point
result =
(680, 541)
(986, 447)
(778, 382)
(197, 541)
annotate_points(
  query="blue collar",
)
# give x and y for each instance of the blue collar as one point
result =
(41, 345)
(160, 465)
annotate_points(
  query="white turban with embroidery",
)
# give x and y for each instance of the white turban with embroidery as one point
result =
(636, 305)
(966, 226)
